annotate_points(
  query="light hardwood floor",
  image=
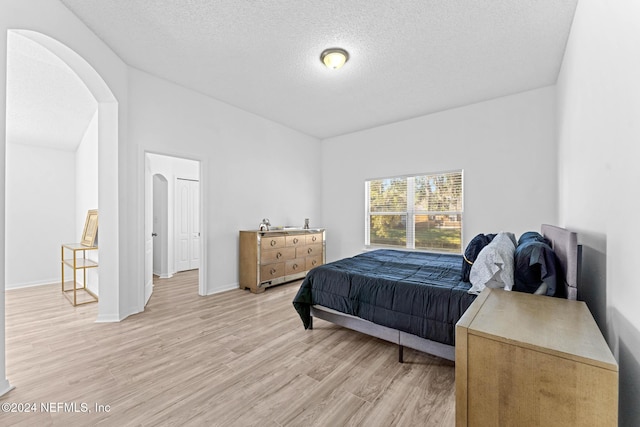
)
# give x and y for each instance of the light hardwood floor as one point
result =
(235, 358)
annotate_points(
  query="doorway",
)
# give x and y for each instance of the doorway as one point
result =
(44, 76)
(172, 220)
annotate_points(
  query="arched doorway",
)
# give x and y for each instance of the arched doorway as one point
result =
(107, 136)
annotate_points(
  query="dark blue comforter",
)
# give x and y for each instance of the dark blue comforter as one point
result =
(415, 292)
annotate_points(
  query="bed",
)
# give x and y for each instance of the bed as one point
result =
(412, 299)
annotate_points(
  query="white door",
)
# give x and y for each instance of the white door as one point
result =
(187, 224)
(148, 231)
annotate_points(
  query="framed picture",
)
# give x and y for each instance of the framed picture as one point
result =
(90, 228)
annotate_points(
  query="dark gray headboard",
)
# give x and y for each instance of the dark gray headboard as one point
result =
(565, 244)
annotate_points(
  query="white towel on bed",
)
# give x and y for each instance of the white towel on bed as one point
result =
(494, 266)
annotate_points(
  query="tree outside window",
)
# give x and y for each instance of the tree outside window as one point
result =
(421, 212)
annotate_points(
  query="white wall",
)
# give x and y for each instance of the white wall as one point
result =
(505, 146)
(39, 213)
(599, 134)
(172, 168)
(86, 177)
(48, 193)
(251, 168)
(86, 191)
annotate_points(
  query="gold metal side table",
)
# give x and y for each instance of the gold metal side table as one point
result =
(81, 295)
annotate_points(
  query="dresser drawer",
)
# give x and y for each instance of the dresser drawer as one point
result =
(271, 271)
(295, 240)
(313, 261)
(310, 250)
(272, 242)
(295, 266)
(277, 255)
(312, 239)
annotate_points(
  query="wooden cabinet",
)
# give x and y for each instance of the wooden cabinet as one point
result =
(528, 360)
(269, 258)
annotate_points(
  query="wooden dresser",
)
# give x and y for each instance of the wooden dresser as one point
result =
(528, 360)
(269, 258)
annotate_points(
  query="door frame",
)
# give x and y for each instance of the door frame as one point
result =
(202, 271)
(163, 227)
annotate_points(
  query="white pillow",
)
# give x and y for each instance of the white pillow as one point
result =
(494, 266)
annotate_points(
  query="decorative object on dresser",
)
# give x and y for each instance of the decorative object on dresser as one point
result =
(532, 360)
(280, 255)
(264, 225)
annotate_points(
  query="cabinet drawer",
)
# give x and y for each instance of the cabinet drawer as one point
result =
(295, 240)
(313, 239)
(295, 266)
(272, 242)
(313, 261)
(277, 255)
(310, 250)
(271, 271)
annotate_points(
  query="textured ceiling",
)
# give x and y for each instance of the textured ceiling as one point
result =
(47, 104)
(408, 58)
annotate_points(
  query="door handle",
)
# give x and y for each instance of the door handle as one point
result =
(154, 234)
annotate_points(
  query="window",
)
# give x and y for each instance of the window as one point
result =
(421, 212)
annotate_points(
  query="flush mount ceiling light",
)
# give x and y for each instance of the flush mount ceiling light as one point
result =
(334, 58)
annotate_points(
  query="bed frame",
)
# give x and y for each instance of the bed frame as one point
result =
(564, 244)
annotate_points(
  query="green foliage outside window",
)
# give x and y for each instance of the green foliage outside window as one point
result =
(426, 210)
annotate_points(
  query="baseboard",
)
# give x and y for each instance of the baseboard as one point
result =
(148, 290)
(109, 318)
(224, 289)
(51, 282)
(55, 281)
(5, 387)
(130, 312)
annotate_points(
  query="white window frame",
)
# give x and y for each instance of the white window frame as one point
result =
(410, 213)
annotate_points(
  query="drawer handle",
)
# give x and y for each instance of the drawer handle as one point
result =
(278, 255)
(273, 243)
(313, 239)
(272, 271)
(295, 240)
(314, 262)
(295, 266)
(309, 250)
